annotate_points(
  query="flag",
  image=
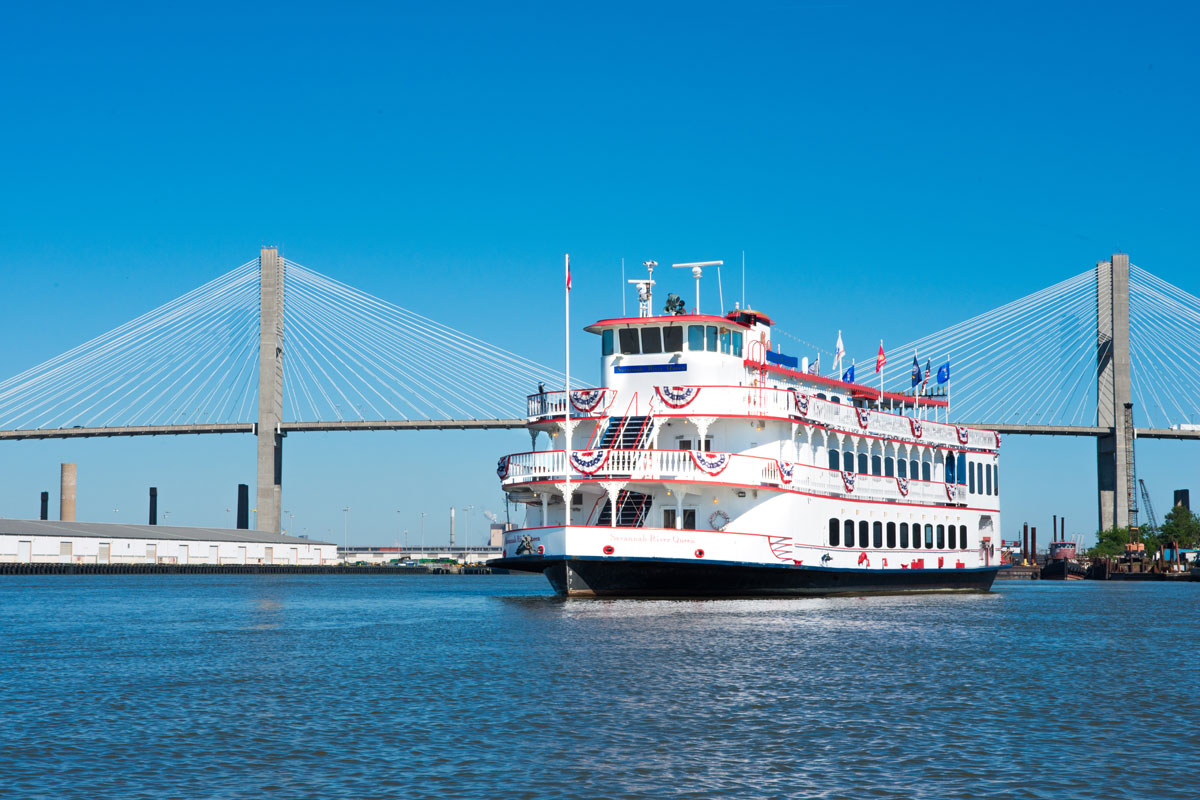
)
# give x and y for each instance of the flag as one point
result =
(848, 375)
(838, 351)
(925, 382)
(943, 373)
(568, 276)
(880, 359)
(815, 367)
(916, 376)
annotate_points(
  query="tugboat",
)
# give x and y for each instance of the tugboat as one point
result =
(708, 463)
(1061, 564)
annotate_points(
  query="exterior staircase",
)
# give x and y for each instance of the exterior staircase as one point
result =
(632, 508)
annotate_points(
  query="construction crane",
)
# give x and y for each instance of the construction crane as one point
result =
(1149, 506)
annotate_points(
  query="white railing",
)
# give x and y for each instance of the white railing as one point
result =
(544, 405)
(678, 465)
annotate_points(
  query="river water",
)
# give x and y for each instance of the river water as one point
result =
(209, 686)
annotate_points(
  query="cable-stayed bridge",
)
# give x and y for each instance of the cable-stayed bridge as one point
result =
(1112, 344)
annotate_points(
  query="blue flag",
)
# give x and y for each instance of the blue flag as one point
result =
(943, 373)
(916, 376)
(848, 375)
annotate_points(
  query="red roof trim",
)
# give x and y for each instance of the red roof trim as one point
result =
(675, 318)
(855, 389)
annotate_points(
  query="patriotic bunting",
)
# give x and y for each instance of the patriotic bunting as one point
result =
(586, 400)
(902, 485)
(963, 434)
(710, 463)
(848, 480)
(864, 417)
(916, 427)
(786, 470)
(801, 401)
(677, 396)
(502, 467)
(589, 462)
(950, 491)
(997, 435)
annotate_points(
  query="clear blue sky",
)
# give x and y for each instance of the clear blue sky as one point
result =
(888, 169)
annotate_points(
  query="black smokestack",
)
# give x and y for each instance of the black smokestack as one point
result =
(45, 506)
(243, 511)
(153, 505)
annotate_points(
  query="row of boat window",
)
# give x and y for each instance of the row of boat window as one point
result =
(942, 537)
(669, 339)
(978, 478)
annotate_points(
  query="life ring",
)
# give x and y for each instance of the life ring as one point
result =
(700, 553)
(608, 550)
(718, 520)
(541, 549)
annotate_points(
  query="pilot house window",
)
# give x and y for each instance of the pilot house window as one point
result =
(673, 339)
(651, 340)
(629, 341)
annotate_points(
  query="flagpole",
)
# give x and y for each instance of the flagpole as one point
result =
(947, 387)
(567, 395)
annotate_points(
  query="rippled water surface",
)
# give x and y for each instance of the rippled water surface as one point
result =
(488, 686)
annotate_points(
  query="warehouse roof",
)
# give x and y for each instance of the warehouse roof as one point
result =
(117, 530)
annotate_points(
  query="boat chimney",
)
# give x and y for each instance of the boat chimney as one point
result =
(1033, 544)
(1054, 532)
(66, 497)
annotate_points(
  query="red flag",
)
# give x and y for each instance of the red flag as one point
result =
(568, 276)
(880, 359)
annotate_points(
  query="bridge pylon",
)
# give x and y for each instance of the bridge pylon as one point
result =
(1114, 450)
(269, 489)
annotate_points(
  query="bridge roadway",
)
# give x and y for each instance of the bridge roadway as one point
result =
(493, 424)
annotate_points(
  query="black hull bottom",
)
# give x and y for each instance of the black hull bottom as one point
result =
(657, 578)
(1060, 569)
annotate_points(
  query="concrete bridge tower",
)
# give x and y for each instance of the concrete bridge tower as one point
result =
(270, 391)
(1114, 450)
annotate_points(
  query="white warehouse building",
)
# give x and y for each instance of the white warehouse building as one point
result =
(55, 542)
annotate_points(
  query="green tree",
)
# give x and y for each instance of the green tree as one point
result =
(1112, 542)
(1180, 525)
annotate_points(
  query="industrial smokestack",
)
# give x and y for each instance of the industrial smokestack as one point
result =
(66, 497)
(243, 507)
(153, 505)
(1033, 545)
(1025, 545)
(1054, 533)
(1183, 498)
(45, 506)
(452, 526)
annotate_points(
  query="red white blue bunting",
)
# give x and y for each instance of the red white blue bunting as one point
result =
(502, 467)
(801, 402)
(963, 434)
(586, 400)
(951, 490)
(589, 462)
(677, 396)
(710, 463)
(902, 486)
(786, 470)
(864, 417)
(848, 478)
(916, 427)
(997, 435)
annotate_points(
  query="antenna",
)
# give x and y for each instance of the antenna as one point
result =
(743, 279)
(645, 288)
(622, 284)
(697, 268)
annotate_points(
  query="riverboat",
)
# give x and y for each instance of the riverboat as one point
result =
(708, 463)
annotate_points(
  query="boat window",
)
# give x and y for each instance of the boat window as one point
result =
(971, 472)
(904, 534)
(862, 463)
(962, 536)
(891, 534)
(606, 339)
(996, 478)
(988, 475)
(836, 399)
(877, 535)
(929, 536)
(848, 461)
(953, 538)
(651, 340)
(835, 532)
(848, 533)
(737, 343)
(925, 470)
(962, 468)
(669, 518)
(902, 468)
(941, 540)
(950, 468)
(629, 341)
(876, 465)
(820, 395)
(864, 533)
(916, 534)
(673, 339)
(889, 466)
(710, 338)
(695, 338)
(834, 459)
(689, 519)
(726, 340)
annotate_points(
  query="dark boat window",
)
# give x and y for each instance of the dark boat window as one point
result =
(710, 338)
(673, 339)
(962, 468)
(864, 534)
(862, 463)
(726, 337)
(914, 470)
(950, 468)
(695, 338)
(889, 466)
(848, 461)
(629, 341)
(924, 470)
(689, 519)
(848, 533)
(877, 535)
(835, 532)
(953, 544)
(651, 340)
(836, 399)
(876, 465)
(971, 470)
(834, 460)
(996, 477)
(737, 343)
(820, 395)
(988, 475)
(891, 534)
(929, 536)
(606, 346)
(962, 536)
(916, 534)
(904, 534)
(941, 530)
(669, 518)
